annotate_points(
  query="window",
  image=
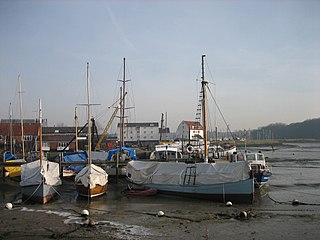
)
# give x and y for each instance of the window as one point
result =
(27, 138)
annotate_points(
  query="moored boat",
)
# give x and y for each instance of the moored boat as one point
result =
(221, 181)
(260, 170)
(166, 152)
(144, 192)
(40, 179)
(92, 180)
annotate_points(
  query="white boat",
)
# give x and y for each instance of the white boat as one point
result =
(260, 169)
(40, 179)
(92, 180)
(218, 152)
(166, 152)
(223, 181)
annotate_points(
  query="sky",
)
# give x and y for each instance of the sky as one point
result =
(262, 59)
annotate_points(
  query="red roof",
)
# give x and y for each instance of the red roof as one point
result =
(193, 125)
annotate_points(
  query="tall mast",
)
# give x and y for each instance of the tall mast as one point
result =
(11, 132)
(122, 105)
(204, 109)
(89, 116)
(40, 131)
(21, 116)
(76, 126)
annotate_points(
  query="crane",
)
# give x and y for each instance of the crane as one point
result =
(97, 147)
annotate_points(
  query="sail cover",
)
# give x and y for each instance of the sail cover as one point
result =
(32, 173)
(142, 172)
(92, 175)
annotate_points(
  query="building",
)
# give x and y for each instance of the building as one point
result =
(11, 135)
(189, 130)
(144, 133)
(62, 138)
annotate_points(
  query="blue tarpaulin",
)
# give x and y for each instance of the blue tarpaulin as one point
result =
(75, 157)
(9, 156)
(132, 153)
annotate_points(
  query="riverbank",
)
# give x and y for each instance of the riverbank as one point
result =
(118, 216)
(217, 222)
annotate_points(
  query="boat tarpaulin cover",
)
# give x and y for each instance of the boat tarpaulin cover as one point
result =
(142, 172)
(92, 175)
(32, 173)
(132, 153)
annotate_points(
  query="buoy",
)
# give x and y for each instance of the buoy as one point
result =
(295, 202)
(84, 213)
(6, 174)
(160, 214)
(243, 214)
(229, 204)
(9, 206)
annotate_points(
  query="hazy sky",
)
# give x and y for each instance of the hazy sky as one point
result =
(263, 58)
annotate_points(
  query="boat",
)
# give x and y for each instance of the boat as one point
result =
(12, 171)
(221, 152)
(40, 179)
(92, 180)
(218, 181)
(15, 171)
(143, 192)
(260, 170)
(72, 170)
(166, 152)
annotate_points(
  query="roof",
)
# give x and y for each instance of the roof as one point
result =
(61, 130)
(193, 125)
(142, 124)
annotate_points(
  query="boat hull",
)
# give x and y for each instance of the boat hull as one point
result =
(91, 192)
(240, 192)
(261, 179)
(41, 193)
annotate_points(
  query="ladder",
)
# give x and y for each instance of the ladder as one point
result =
(190, 175)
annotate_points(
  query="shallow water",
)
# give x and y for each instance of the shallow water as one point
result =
(295, 172)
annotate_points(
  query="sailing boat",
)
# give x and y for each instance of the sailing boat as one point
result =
(15, 171)
(39, 179)
(92, 180)
(221, 182)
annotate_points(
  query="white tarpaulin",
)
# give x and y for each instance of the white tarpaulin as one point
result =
(92, 175)
(32, 173)
(142, 172)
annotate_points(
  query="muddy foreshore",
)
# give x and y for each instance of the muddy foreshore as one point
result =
(117, 216)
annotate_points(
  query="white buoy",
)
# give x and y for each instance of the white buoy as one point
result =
(229, 204)
(160, 214)
(9, 206)
(6, 174)
(84, 213)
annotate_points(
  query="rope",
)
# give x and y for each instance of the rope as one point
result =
(32, 194)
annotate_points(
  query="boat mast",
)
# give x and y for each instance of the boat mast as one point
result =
(11, 132)
(76, 126)
(122, 106)
(89, 117)
(40, 131)
(204, 104)
(21, 116)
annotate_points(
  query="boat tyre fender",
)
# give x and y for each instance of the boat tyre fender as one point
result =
(189, 149)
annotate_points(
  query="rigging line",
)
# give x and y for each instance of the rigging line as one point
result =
(228, 129)
(207, 66)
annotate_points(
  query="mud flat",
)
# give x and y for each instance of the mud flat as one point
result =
(118, 216)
